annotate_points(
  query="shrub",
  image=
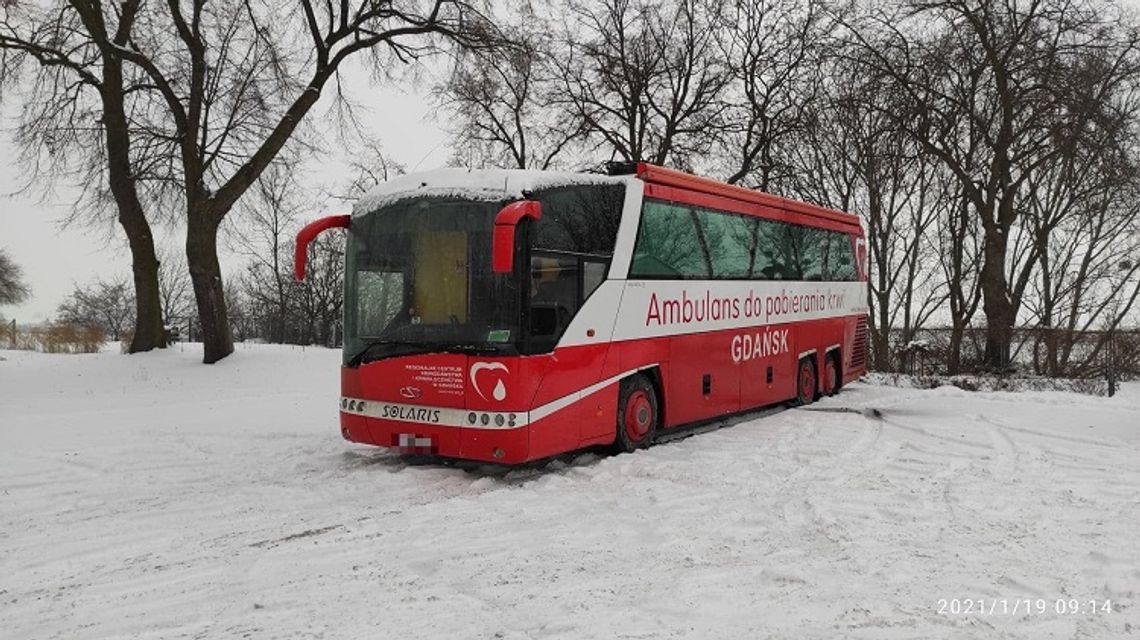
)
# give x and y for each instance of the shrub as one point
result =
(62, 338)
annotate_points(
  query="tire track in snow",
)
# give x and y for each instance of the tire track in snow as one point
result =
(848, 450)
(1004, 464)
(935, 465)
(855, 459)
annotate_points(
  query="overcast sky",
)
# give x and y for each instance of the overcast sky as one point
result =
(55, 258)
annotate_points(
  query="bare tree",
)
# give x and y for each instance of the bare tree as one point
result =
(370, 165)
(108, 305)
(276, 308)
(1088, 278)
(644, 80)
(175, 290)
(306, 312)
(849, 154)
(216, 92)
(318, 301)
(960, 243)
(988, 69)
(686, 105)
(774, 50)
(504, 107)
(268, 219)
(242, 322)
(13, 289)
(79, 93)
(905, 196)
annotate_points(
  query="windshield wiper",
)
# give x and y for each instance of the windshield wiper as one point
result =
(415, 347)
(419, 347)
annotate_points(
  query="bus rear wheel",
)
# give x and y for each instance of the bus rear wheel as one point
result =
(805, 382)
(637, 414)
(831, 380)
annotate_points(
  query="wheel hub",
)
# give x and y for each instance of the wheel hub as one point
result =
(638, 415)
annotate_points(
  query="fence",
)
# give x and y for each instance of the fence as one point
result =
(1107, 356)
(242, 328)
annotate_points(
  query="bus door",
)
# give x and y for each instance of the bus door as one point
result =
(559, 285)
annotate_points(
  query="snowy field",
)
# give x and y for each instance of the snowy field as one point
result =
(153, 497)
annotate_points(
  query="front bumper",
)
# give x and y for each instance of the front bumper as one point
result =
(453, 433)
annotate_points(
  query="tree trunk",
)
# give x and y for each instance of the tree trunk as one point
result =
(954, 350)
(880, 345)
(995, 301)
(149, 333)
(1047, 302)
(149, 329)
(206, 274)
(1051, 365)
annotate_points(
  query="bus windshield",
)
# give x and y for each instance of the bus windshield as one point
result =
(419, 279)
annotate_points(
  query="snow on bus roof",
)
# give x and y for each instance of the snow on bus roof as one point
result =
(474, 184)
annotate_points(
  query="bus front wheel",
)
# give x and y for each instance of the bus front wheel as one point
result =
(805, 382)
(637, 414)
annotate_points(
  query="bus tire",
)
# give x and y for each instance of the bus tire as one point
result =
(832, 379)
(638, 414)
(806, 382)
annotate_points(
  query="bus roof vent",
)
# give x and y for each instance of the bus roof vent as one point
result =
(620, 167)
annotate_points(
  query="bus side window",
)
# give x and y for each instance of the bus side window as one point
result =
(766, 258)
(554, 294)
(668, 245)
(730, 240)
(593, 273)
(812, 249)
(842, 257)
(579, 218)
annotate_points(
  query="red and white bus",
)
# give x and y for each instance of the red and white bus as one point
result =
(508, 316)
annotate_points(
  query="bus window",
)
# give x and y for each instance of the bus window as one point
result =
(822, 241)
(668, 244)
(579, 218)
(730, 239)
(842, 257)
(593, 273)
(769, 260)
(380, 299)
(553, 297)
(812, 250)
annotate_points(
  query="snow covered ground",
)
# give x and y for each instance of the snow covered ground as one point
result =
(153, 497)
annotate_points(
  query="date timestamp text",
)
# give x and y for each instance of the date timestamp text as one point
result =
(1022, 606)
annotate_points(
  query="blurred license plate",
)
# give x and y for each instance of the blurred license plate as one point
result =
(413, 443)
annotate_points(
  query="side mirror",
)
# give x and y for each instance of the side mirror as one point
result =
(306, 236)
(503, 242)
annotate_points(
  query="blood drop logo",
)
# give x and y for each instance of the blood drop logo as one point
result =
(499, 392)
